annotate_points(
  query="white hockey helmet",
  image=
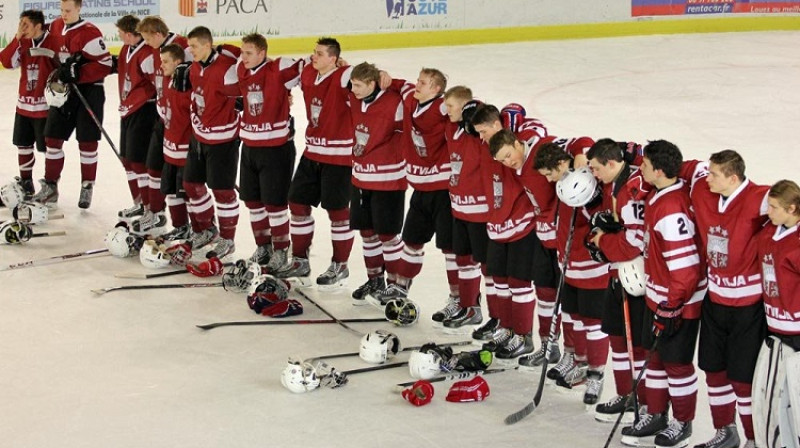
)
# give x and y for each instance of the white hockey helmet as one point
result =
(31, 213)
(631, 276)
(56, 93)
(119, 242)
(299, 377)
(153, 256)
(424, 365)
(378, 346)
(15, 232)
(12, 194)
(243, 276)
(401, 312)
(577, 188)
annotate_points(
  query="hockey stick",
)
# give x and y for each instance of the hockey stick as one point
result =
(102, 291)
(141, 276)
(94, 118)
(406, 349)
(286, 322)
(633, 394)
(336, 379)
(327, 313)
(38, 235)
(52, 260)
(452, 376)
(537, 397)
(626, 312)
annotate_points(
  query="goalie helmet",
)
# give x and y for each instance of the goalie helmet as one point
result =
(242, 276)
(31, 213)
(401, 312)
(12, 194)
(15, 232)
(153, 256)
(378, 346)
(120, 243)
(56, 93)
(577, 188)
(631, 276)
(299, 377)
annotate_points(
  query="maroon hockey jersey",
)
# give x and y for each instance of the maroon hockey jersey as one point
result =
(329, 134)
(779, 256)
(265, 91)
(136, 70)
(85, 38)
(511, 215)
(470, 175)
(378, 162)
(158, 73)
(625, 197)
(727, 229)
(34, 71)
(177, 123)
(675, 271)
(214, 118)
(425, 148)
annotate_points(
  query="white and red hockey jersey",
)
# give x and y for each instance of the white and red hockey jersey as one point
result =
(214, 117)
(85, 38)
(625, 197)
(378, 162)
(582, 271)
(177, 123)
(159, 80)
(512, 213)
(135, 73)
(674, 269)
(727, 229)
(34, 71)
(424, 147)
(779, 257)
(329, 134)
(265, 91)
(470, 175)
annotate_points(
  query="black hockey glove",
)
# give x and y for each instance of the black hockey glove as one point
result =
(180, 78)
(69, 71)
(605, 221)
(667, 320)
(629, 151)
(594, 251)
(239, 104)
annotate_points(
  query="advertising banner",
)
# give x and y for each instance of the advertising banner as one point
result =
(688, 7)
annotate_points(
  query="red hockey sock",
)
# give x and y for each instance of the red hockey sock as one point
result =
(259, 222)
(88, 152)
(227, 212)
(53, 159)
(26, 160)
(682, 390)
(620, 363)
(721, 399)
(469, 280)
(744, 400)
(201, 206)
(596, 343)
(177, 210)
(523, 304)
(373, 253)
(503, 302)
(411, 260)
(342, 235)
(452, 272)
(157, 200)
(392, 248)
(279, 223)
(547, 299)
(302, 229)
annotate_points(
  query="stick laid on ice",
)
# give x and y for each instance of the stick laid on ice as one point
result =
(102, 291)
(52, 260)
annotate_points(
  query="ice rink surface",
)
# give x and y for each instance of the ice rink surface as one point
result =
(130, 369)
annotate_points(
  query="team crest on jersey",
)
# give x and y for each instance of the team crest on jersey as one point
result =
(497, 189)
(159, 86)
(33, 76)
(199, 101)
(126, 88)
(362, 137)
(717, 249)
(255, 100)
(419, 143)
(455, 168)
(167, 115)
(316, 109)
(768, 277)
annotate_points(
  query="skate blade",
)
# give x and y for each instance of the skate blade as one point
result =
(299, 282)
(627, 419)
(359, 302)
(437, 325)
(649, 441)
(374, 302)
(465, 329)
(536, 368)
(339, 285)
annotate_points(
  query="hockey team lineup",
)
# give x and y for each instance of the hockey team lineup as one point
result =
(637, 266)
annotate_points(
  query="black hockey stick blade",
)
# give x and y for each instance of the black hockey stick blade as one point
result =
(405, 349)
(284, 322)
